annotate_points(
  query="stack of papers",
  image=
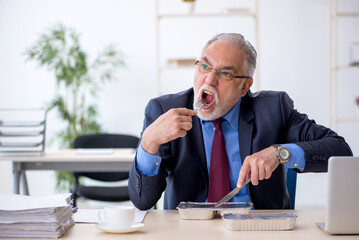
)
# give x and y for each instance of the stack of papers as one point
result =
(34, 217)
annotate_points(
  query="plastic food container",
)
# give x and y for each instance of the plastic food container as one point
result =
(202, 210)
(259, 221)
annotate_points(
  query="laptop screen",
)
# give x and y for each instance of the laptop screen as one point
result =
(342, 213)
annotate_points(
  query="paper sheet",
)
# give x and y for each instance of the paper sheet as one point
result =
(34, 217)
(13, 202)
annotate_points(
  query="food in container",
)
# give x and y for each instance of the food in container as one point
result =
(202, 210)
(259, 221)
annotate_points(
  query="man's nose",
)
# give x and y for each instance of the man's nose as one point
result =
(212, 77)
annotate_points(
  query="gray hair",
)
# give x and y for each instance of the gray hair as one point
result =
(240, 43)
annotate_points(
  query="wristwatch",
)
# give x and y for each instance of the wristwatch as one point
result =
(282, 153)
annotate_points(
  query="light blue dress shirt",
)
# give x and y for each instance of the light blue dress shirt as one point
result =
(148, 164)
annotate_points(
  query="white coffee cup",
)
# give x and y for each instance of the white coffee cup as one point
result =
(117, 216)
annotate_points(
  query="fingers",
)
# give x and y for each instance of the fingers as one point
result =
(176, 122)
(184, 122)
(258, 166)
(179, 129)
(261, 173)
(245, 171)
(254, 174)
(181, 120)
(268, 173)
(171, 125)
(184, 111)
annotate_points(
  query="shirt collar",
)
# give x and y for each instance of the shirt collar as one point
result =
(232, 116)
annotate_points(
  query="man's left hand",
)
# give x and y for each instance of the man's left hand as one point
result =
(258, 166)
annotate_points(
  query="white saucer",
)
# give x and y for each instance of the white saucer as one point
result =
(109, 229)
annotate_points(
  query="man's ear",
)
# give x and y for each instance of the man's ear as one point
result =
(247, 84)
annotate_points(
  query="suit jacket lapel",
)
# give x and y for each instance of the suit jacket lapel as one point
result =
(198, 145)
(245, 126)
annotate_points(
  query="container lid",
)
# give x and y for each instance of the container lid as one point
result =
(258, 216)
(204, 205)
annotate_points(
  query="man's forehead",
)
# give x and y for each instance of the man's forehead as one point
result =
(222, 63)
(223, 53)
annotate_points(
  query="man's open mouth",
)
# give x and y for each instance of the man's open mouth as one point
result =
(207, 98)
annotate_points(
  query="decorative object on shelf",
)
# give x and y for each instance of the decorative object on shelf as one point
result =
(22, 131)
(357, 103)
(60, 51)
(181, 62)
(355, 54)
(190, 4)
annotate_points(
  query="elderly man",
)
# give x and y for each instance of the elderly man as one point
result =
(199, 144)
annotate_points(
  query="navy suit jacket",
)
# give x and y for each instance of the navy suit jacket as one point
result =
(266, 118)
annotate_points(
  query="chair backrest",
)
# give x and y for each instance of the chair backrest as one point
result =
(105, 141)
(291, 180)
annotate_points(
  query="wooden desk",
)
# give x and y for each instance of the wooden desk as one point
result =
(68, 160)
(166, 225)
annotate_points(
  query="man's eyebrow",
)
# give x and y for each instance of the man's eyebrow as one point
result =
(206, 60)
(227, 68)
(224, 67)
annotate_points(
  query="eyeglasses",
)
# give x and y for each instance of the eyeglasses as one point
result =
(223, 74)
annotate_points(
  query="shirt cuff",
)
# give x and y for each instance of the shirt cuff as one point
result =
(147, 164)
(296, 158)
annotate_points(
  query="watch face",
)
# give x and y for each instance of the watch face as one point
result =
(284, 154)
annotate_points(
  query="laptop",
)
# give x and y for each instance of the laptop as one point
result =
(342, 210)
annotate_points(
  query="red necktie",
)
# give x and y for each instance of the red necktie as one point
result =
(219, 172)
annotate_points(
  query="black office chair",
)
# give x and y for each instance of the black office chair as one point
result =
(102, 193)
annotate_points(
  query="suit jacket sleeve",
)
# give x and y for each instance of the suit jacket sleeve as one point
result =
(144, 191)
(318, 142)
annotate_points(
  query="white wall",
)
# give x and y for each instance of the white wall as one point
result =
(294, 57)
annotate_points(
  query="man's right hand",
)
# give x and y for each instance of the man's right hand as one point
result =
(171, 125)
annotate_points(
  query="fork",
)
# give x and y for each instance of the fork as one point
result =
(198, 105)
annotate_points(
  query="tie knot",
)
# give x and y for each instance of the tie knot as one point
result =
(217, 123)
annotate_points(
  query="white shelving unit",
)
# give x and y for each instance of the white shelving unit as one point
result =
(344, 73)
(176, 59)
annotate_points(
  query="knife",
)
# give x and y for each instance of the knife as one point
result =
(231, 194)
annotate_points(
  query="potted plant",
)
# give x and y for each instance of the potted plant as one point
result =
(59, 50)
